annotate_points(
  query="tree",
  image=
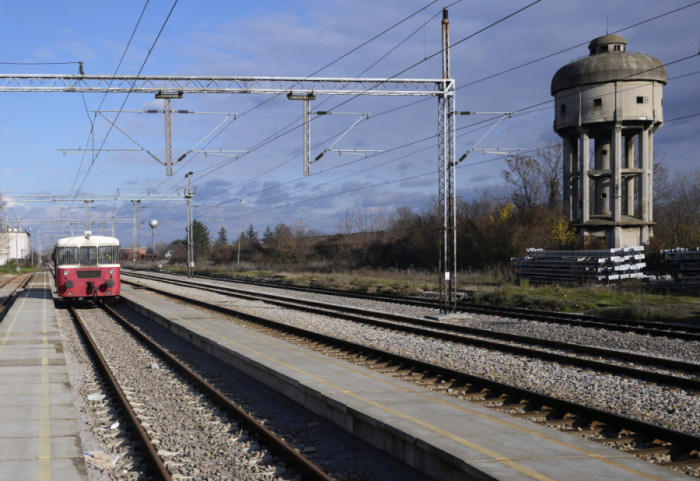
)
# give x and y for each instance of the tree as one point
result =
(678, 213)
(222, 252)
(178, 250)
(222, 239)
(535, 180)
(252, 236)
(563, 235)
(268, 238)
(200, 240)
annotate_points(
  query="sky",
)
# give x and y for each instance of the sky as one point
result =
(505, 67)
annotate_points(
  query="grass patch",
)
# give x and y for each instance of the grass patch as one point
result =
(493, 287)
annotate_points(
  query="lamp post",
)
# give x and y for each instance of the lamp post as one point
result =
(17, 245)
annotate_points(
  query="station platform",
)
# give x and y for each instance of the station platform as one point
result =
(39, 437)
(443, 437)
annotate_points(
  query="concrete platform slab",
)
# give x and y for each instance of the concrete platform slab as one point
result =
(39, 437)
(446, 438)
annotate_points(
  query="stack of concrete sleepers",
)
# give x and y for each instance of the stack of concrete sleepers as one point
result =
(684, 266)
(580, 266)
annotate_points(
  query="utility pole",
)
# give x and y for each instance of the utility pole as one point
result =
(190, 247)
(135, 211)
(17, 245)
(240, 232)
(447, 201)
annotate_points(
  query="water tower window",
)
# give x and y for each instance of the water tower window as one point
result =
(562, 110)
(642, 100)
(604, 48)
(597, 103)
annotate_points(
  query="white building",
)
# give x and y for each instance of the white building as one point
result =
(14, 244)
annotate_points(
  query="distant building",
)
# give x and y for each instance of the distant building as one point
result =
(127, 254)
(607, 107)
(14, 244)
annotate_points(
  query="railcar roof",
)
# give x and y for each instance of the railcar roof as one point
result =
(81, 241)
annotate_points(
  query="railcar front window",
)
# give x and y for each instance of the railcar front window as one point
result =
(67, 255)
(88, 256)
(108, 255)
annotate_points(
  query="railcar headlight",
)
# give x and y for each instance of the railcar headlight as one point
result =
(111, 271)
(65, 273)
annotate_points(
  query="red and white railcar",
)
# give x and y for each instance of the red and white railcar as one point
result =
(87, 266)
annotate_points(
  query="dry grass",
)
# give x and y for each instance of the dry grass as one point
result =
(492, 287)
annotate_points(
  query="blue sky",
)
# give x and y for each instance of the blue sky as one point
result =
(297, 38)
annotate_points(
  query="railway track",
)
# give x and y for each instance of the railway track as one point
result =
(679, 331)
(668, 446)
(9, 289)
(186, 426)
(671, 372)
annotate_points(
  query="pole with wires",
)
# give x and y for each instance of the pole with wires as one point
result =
(447, 201)
(190, 247)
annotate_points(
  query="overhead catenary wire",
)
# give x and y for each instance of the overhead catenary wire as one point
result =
(109, 131)
(292, 125)
(502, 19)
(551, 100)
(484, 123)
(116, 70)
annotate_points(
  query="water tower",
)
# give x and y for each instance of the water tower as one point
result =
(607, 107)
(154, 223)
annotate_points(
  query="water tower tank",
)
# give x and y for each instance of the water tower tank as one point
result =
(607, 107)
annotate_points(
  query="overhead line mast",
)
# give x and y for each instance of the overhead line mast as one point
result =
(169, 87)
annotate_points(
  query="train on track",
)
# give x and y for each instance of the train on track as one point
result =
(87, 267)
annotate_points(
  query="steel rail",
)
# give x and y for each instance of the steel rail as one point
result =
(690, 442)
(152, 453)
(10, 298)
(300, 462)
(457, 335)
(675, 331)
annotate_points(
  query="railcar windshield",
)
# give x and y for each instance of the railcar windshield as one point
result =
(88, 256)
(67, 255)
(108, 254)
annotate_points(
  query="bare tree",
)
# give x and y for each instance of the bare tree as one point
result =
(535, 180)
(677, 212)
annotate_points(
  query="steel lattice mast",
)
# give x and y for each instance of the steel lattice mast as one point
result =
(310, 87)
(447, 201)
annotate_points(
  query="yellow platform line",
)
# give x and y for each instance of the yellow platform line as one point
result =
(45, 406)
(491, 454)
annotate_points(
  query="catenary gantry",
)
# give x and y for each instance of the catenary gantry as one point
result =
(226, 85)
(165, 86)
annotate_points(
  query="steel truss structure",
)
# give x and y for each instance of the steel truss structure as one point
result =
(294, 87)
(165, 84)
